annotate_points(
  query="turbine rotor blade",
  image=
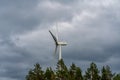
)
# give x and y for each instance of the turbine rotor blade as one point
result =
(57, 31)
(55, 39)
(56, 48)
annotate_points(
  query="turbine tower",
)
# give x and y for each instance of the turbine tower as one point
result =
(58, 44)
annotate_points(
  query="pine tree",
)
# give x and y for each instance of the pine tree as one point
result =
(78, 74)
(62, 71)
(75, 73)
(106, 73)
(92, 73)
(49, 74)
(36, 73)
(72, 72)
(109, 72)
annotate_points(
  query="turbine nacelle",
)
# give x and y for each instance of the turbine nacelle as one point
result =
(62, 43)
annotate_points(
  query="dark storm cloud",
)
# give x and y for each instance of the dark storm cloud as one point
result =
(12, 58)
(99, 40)
(20, 16)
(17, 16)
(91, 29)
(15, 60)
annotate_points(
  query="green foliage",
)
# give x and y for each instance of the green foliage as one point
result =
(116, 77)
(71, 73)
(78, 74)
(92, 73)
(62, 71)
(106, 73)
(49, 74)
(35, 74)
(75, 73)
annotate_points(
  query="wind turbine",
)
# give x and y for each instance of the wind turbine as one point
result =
(58, 44)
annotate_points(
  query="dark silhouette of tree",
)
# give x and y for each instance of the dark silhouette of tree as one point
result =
(49, 74)
(71, 73)
(106, 73)
(78, 74)
(92, 73)
(61, 71)
(75, 73)
(36, 73)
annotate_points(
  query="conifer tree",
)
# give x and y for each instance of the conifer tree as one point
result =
(106, 73)
(92, 73)
(72, 72)
(109, 72)
(62, 71)
(78, 74)
(75, 73)
(49, 74)
(36, 73)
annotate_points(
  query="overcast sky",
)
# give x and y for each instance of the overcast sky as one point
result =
(91, 28)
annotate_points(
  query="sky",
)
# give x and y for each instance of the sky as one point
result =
(90, 27)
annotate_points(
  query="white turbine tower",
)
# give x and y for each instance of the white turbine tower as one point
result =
(58, 44)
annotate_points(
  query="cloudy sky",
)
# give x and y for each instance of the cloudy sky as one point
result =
(91, 28)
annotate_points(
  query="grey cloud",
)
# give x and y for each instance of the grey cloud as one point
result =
(100, 33)
(14, 16)
(15, 60)
(94, 37)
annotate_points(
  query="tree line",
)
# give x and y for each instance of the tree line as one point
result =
(62, 72)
